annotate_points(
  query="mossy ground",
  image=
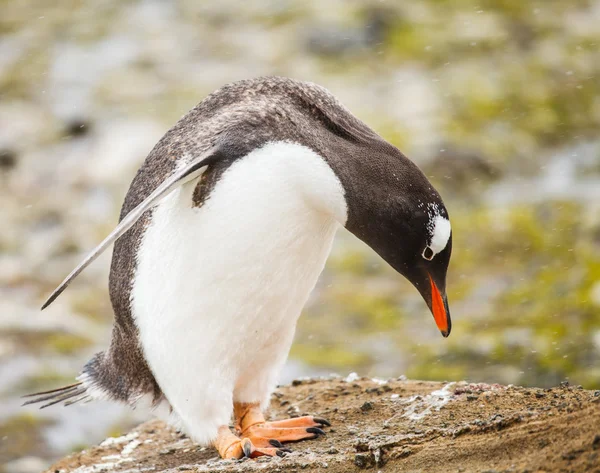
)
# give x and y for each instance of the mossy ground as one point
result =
(521, 285)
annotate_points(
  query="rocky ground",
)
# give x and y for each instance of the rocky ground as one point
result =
(393, 425)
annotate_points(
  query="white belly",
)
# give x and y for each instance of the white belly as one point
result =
(218, 289)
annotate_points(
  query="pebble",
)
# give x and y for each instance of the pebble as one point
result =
(363, 460)
(367, 406)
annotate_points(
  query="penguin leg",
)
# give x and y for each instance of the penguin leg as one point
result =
(251, 423)
(230, 446)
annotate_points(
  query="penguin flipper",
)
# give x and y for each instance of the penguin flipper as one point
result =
(188, 172)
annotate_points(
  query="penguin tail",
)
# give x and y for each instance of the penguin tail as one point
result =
(68, 394)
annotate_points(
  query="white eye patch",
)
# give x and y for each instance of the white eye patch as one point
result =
(440, 234)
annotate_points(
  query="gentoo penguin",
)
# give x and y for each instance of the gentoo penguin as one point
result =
(222, 236)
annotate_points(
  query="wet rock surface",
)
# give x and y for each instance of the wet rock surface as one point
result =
(408, 426)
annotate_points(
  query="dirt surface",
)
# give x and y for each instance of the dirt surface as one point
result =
(394, 425)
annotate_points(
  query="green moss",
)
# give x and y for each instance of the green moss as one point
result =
(536, 326)
(92, 303)
(22, 434)
(84, 22)
(282, 16)
(65, 344)
(41, 381)
(395, 133)
(47, 341)
(407, 41)
(435, 370)
(335, 356)
(543, 322)
(354, 261)
(17, 82)
(115, 431)
(78, 447)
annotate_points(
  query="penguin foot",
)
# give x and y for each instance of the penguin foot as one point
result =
(281, 434)
(251, 424)
(230, 446)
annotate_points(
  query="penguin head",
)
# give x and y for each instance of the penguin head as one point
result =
(398, 213)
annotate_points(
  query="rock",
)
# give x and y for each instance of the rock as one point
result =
(8, 159)
(77, 127)
(367, 406)
(364, 460)
(507, 432)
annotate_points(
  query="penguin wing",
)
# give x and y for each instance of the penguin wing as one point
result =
(188, 172)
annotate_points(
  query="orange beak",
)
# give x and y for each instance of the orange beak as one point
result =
(439, 308)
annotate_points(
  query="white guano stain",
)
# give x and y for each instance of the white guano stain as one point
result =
(130, 447)
(110, 441)
(418, 407)
(379, 381)
(351, 378)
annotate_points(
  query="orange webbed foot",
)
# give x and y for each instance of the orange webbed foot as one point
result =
(251, 424)
(230, 446)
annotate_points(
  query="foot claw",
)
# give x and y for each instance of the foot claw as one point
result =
(247, 447)
(320, 420)
(275, 443)
(315, 430)
(280, 453)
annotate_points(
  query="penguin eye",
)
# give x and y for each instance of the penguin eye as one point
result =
(428, 253)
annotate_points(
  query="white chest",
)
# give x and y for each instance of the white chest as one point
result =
(215, 283)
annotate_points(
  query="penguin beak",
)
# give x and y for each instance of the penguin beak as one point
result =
(439, 309)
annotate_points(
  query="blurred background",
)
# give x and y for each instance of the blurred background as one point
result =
(497, 101)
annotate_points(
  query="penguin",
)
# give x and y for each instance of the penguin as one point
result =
(222, 236)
